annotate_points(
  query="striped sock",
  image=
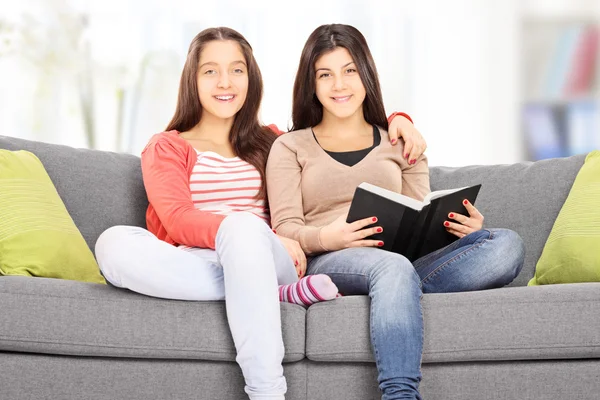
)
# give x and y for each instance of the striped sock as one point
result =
(309, 290)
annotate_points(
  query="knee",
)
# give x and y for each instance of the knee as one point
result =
(107, 246)
(512, 247)
(112, 244)
(395, 269)
(114, 237)
(242, 223)
(109, 238)
(510, 252)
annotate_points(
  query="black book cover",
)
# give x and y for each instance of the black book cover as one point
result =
(410, 227)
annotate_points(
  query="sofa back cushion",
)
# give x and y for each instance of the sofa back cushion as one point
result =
(99, 189)
(525, 197)
(102, 189)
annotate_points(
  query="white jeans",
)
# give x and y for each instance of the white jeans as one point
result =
(245, 269)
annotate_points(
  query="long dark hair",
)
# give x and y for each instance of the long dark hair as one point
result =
(250, 140)
(307, 111)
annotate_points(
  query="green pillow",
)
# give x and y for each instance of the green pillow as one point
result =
(572, 251)
(37, 235)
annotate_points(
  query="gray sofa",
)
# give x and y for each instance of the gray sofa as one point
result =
(72, 340)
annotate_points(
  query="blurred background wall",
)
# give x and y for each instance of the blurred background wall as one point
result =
(486, 81)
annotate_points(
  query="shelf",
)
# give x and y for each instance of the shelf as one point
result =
(560, 72)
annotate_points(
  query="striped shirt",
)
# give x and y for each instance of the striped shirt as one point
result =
(224, 186)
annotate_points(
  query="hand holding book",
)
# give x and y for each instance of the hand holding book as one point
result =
(464, 225)
(415, 228)
(342, 235)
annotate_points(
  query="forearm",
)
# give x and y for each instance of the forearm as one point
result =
(194, 228)
(307, 236)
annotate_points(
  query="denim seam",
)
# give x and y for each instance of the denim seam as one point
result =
(435, 272)
(347, 274)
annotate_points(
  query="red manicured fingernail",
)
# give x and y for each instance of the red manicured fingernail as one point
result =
(465, 202)
(379, 230)
(394, 141)
(374, 219)
(446, 223)
(296, 262)
(451, 215)
(380, 244)
(274, 231)
(406, 156)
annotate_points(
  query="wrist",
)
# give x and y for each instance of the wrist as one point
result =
(322, 240)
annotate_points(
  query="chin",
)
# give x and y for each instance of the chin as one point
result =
(343, 111)
(225, 113)
(343, 114)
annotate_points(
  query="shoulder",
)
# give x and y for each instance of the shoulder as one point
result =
(385, 142)
(291, 145)
(167, 150)
(167, 141)
(295, 139)
(395, 152)
(385, 136)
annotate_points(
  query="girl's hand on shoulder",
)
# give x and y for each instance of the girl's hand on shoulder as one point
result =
(414, 143)
(296, 253)
(464, 225)
(342, 235)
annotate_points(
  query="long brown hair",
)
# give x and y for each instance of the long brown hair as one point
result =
(307, 110)
(250, 140)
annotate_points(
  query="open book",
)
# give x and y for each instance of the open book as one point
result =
(410, 227)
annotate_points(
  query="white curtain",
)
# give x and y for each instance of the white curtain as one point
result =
(451, 65)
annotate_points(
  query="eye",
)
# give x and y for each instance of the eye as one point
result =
(238, 71)
(351, 70)
(210, 72)
(324, 75)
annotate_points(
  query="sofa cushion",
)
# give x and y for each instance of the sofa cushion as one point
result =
(572, 253)
(525, 197)
(99, 189)
(37, 235)
(53, 316)
(523, 323)
(51, 377)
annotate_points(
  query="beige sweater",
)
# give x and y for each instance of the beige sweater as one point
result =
(308, 189)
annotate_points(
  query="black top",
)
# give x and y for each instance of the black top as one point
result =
(351, 158)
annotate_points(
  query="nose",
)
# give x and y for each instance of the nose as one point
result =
(224, 81)
(338, 83)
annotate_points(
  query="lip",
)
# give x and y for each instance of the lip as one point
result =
(225, 98)
(341, 99)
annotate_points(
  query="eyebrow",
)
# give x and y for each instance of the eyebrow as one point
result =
(327, 69)
(214, 63)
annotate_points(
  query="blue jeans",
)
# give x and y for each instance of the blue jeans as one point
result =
(485, 259)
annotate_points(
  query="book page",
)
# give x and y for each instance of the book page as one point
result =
(440, 193)
(397, 197)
